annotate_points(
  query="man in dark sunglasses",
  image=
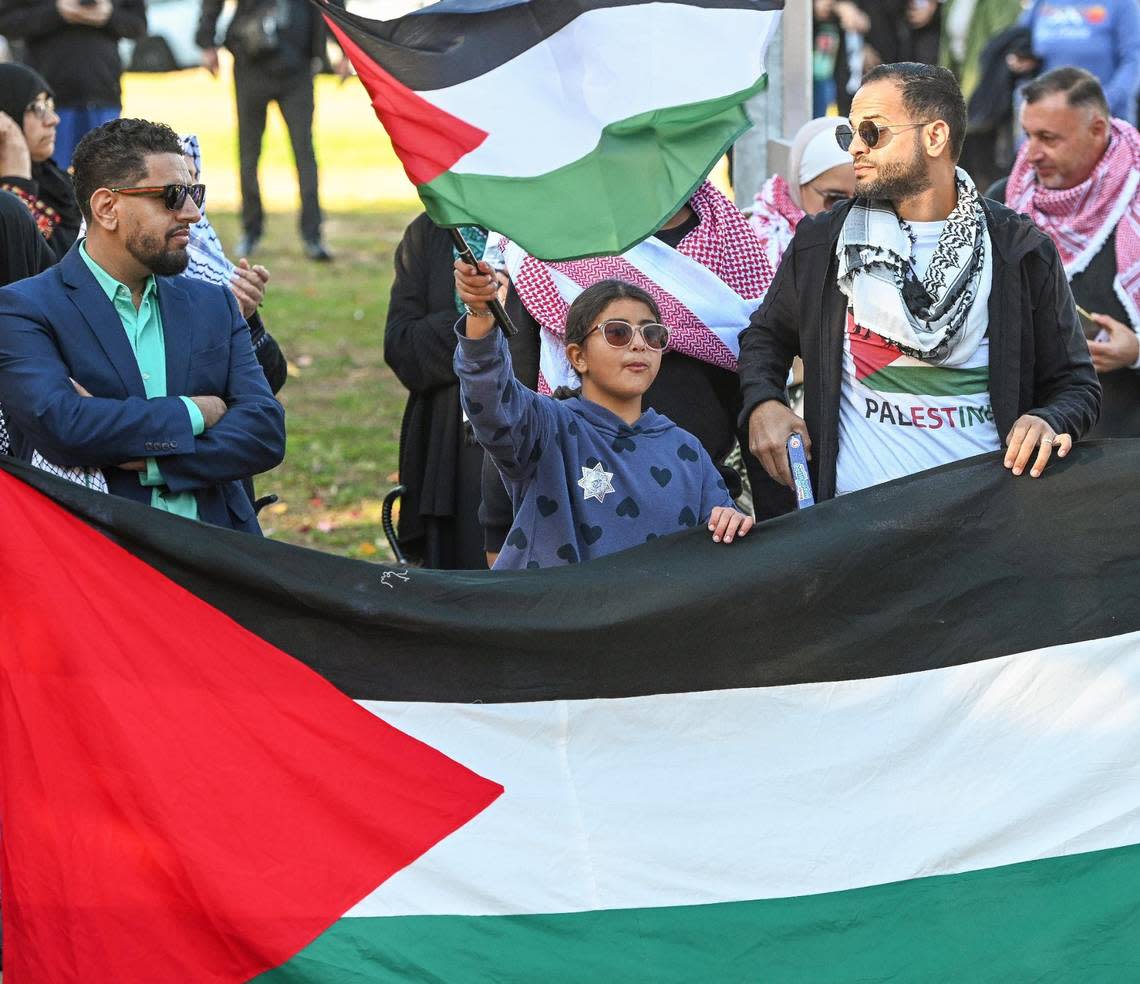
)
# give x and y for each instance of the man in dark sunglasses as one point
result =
(111, 360)
(933, 324)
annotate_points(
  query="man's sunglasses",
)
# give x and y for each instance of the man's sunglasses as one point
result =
(173, 196)
(619, 334)
(869, 132)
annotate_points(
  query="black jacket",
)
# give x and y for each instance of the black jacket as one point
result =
(296, 47)
(81, 63)
(419, 346)
(1039, 362)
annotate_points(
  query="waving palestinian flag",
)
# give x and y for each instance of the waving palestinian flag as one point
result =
(574, 127)
(895, 737)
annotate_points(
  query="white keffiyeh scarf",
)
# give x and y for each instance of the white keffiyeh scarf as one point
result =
(927, 319)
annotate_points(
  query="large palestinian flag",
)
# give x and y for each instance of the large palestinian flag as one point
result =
(895, 737)
(574, 127)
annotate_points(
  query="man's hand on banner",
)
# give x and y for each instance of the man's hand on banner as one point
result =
(1030, 433)
(1119, 351)
(769, 427)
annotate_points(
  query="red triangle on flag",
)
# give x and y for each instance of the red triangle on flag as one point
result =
(181, 800)
(428, 140)
(869, 351)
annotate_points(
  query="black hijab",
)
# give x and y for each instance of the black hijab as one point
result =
(19, 86)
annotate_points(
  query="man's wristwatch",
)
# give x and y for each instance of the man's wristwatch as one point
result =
(472, 313)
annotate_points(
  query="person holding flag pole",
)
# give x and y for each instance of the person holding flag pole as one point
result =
(642, 477)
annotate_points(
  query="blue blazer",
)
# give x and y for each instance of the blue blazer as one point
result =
(60, 324)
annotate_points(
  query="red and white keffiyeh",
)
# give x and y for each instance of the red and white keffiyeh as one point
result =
(774, 215)
(704, 321)
(1080, 219)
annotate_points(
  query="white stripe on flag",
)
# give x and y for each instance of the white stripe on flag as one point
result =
(547, 106)
(785, 791)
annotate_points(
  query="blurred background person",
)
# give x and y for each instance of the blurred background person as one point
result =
(440, 462)
(847, 23)
(28, 123)
(1103, 38)
(978, 39)
(276, 46)
(967, 27)
(74, 45)
(826, 41)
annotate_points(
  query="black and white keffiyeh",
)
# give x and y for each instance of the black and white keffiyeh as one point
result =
(927, 319)
(207, 258)
(91, 478)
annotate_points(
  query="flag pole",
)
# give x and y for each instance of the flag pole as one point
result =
(502, 319)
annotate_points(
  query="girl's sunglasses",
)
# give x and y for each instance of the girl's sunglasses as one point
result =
(620, 333)
(869, 132)
(173, 196)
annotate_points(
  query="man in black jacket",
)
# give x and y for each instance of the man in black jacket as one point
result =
(75, 47)
(275, 44)
(933, 325)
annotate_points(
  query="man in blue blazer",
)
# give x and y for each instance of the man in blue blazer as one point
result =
(111, 360)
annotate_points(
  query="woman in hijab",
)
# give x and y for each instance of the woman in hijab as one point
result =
(27, 138)
(819, 176)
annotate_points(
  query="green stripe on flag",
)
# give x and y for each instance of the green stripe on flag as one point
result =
(641, 171)
(929, 380)
(1074, 918)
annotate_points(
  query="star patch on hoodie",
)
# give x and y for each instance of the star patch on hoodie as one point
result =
(595, 483)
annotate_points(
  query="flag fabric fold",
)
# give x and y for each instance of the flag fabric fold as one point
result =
(893, 737)
(575, 127)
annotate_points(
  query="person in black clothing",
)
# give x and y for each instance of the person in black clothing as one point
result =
(275, 44)
(439, 461)
(882, 299)
(23, 252)
(27, 139)
(75, 46)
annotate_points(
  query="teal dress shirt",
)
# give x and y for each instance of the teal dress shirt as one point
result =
(144, 331)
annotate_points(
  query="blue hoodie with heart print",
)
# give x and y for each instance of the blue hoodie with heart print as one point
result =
(582, 481)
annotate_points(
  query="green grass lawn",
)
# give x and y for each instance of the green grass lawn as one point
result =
(343, 405)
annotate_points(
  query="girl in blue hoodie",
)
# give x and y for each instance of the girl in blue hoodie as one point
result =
(592, 474)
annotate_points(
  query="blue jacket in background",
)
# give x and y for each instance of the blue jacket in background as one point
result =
(1100, 36)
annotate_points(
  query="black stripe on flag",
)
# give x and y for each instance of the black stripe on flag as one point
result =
(432, 50)
(954, 565)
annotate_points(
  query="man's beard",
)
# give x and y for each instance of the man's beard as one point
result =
(895, 182)
(159, 258)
